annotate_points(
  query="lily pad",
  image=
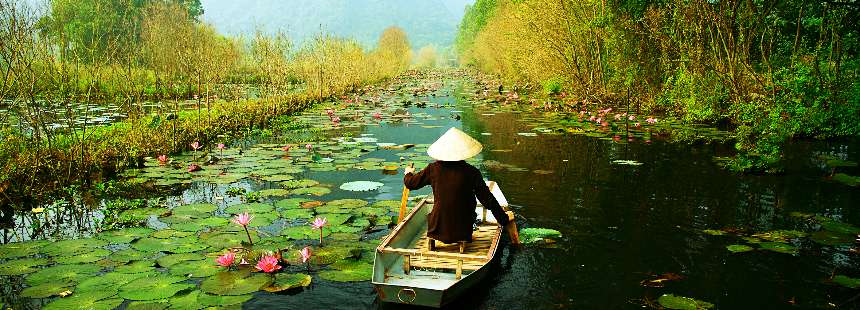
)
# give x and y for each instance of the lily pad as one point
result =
(154, 245)
(124, 235)
(63, 273)
(779, 247)
(670, 301)
(294, 184)
(235, 283)
(314, 191)
(153, 288)
(109, 281)
(136, 267)
(291, 203)
(273, 192)
(286, 281)
(21, 266)
(845, 179)
(148, 305)
(222, 300)
(195, 269)
(47, 289)
(129, 255)
(83, 258)
(831, 238)
(534, 235)
(361, 186)
(95, 300)
(72, 247)
(347, 203)
(294, 214)
(348, 271)
(21, 249)
(714, 232)
(170, 233)
(196, 207)
(173, 259)
(251, 208)
(738, 248)
(846, 281)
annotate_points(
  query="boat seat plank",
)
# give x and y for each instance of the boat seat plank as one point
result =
(482, 241)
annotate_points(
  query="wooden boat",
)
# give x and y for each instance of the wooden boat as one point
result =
(407, 271)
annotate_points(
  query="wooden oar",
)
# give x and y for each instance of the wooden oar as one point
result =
(404, 199)
(513, 232)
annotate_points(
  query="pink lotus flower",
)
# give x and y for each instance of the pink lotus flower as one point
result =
(631, 117)
(377, 115)
(268, 264)
(604, 124)
(319, 223)
(286, 148)
(330, 112)
(194, 167)
(348, 100)
(221, 146)
(243, 219)
(309, 146)
(195, 145)
(651, 120)
(306, 254)
(618, 117)
(226, 260)
(162, 159)
(195, 97)
(336, 119)
(599, 120)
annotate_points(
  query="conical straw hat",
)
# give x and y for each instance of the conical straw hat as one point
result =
(454, 145)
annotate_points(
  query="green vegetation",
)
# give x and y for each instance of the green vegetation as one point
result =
(770, 71)
(130, 52)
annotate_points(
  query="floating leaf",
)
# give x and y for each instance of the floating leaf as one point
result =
(47, 289)
(839, 227)
(533, 235)
(222, 300)
(294, 184)
(274, 192)
(153, 288)
(124, 235)
(21, 266)
(315, 191)
(831, 238)
(347, 203)
(154, 245)
(291, 203)
(235, 283)
(846, 281)
(286, 281)
(361, 186)
(129, 255)
(186, 301)
(109, 281)
(671, 301)
(148, 305)
(845, 179)
(136, 267)
(170, 233)
(252, 208)
(95, 300)
(780, 235)
(83, 258)
(21, 249)
(294, 214)
(72, 247)
(737, 248)
(841, 163)
(714, 232)
(348, 271)
(173, 259)
(195, 269)
(64, 273)
(779, 247)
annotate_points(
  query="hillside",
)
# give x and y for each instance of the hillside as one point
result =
(426, 21)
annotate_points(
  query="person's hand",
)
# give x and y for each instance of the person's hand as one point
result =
(408, 170)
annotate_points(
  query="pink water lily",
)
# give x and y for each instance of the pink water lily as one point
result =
(268, 264)
(243, 219)
(336, 119)
(377, 115)
(162, 159)
(226, 260)
(195, 145)
(309, 146)
(651, 120)
(330, 112)
(319, 223)
(194, 167)
(306, 254)
(631, 117)
(286, 148)
(221, 146)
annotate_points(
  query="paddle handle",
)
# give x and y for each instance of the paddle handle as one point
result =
(403, 199)
(513, 232)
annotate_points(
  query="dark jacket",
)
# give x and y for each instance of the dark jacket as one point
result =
(455, 186)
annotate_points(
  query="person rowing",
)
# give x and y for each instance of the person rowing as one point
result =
(455, 185)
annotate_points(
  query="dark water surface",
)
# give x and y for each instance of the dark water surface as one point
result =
(622, 224)
(625, 224)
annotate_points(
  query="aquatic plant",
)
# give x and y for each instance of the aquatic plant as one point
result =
(268, 264)
(319, 223)
(243, 220)
(226, 260)
(162, 159)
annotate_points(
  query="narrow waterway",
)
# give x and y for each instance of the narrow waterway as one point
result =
(639, 219)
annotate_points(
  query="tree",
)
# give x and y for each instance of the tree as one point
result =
(393, 49)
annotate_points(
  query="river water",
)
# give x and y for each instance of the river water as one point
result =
(631, 233)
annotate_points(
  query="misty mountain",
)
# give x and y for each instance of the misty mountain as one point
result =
(425, 21)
